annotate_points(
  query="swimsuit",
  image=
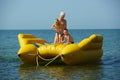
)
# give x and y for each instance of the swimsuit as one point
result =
(72, 42)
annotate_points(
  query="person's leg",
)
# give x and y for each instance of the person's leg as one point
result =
(60, 38)
(56, 38)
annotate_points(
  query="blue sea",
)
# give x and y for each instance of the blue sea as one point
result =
(11, 68)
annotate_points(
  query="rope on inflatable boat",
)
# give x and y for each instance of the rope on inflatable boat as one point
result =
(53, 59)
(37, 61)
(50, 60)
(42, 57)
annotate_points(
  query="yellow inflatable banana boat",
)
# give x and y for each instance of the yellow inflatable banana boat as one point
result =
(33, 48)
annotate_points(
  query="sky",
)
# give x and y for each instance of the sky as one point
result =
(41, 14)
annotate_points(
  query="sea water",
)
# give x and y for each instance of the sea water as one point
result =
(11, 68)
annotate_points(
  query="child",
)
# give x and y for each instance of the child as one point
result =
(67, 38)
(56, 26)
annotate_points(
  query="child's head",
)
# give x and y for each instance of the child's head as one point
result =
(65, 31)
(57, 22)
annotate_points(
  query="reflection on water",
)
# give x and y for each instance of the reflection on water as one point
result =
(63, 72)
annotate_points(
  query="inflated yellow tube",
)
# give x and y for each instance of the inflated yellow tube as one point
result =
(50, 51)
(27, 53)
(29, 39)
(89, 49)
(76, 55)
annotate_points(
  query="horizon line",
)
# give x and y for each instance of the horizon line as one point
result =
(68, 29)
